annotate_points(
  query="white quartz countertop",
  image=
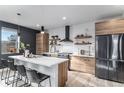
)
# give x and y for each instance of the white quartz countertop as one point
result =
(50, 53)
(40, 60)
(83, 55)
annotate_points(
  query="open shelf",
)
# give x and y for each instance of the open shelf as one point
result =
(85, 37)
(83, 43)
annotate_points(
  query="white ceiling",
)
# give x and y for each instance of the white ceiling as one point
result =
(51, 16)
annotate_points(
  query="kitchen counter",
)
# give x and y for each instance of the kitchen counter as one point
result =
(78, 55)
(50, 53)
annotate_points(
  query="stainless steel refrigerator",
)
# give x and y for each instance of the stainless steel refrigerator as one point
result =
(110, 57)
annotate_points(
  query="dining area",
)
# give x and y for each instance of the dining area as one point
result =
(38, 71)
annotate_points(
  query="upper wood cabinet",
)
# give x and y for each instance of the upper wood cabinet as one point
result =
(42, 43)
(113, 26)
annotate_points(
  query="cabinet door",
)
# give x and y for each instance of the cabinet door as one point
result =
(78, 64)
(109, 25)
(83, 64)
(42, 43)
(102, 69)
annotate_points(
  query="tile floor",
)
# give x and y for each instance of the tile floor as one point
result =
(79, 79)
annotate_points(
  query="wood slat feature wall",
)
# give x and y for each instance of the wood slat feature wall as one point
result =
(113, 26)
(42, 43)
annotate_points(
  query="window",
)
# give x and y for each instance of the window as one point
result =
(9, 41)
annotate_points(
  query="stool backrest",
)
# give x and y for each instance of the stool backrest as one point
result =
(32, 75)
(3, 63)
(11, 65)
(21, 70)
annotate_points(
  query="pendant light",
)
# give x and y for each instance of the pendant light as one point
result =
(18, 30)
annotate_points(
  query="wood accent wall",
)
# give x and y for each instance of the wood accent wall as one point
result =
(62, 74)
(113, 26)
(42, 43)
(83, 64)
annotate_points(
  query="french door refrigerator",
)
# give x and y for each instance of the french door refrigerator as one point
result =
(110, 57)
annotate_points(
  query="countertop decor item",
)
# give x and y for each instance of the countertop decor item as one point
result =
(83, 36)
(83, 39)
(24, 49)
(53, 43)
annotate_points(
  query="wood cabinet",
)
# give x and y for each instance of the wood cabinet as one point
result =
(62, 74)
(42, 43)
(113, 26)
(83, 64)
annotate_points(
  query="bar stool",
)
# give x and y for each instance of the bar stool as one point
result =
(36, 77)
(4, 65)
(22, 71)
(11, 67)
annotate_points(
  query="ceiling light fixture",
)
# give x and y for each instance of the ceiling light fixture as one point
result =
(64, 18)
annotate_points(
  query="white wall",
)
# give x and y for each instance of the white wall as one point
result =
(75, 30)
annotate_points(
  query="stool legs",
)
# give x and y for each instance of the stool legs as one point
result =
(39, 84)
(18, 77)
(50, 81)
(6, 76)
(2, 74)
(14, 78)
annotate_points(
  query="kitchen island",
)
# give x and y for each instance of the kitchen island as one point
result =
(55, 67)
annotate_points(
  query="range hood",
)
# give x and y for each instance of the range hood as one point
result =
(67, 34)
(42, 29)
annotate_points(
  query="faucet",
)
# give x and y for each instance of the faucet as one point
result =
(89, 51)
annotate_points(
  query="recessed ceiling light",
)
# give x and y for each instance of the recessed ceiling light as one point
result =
(38, 25)
(64, 18)
(19, 14)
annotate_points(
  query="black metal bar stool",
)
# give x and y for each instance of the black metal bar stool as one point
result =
(4, 65)
(36, 77)
(22, 71)
(11, 67)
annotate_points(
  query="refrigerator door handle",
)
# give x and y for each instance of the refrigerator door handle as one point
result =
(108, 43)
(120, 46)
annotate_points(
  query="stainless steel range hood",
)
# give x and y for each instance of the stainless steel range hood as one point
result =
(67, 34)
